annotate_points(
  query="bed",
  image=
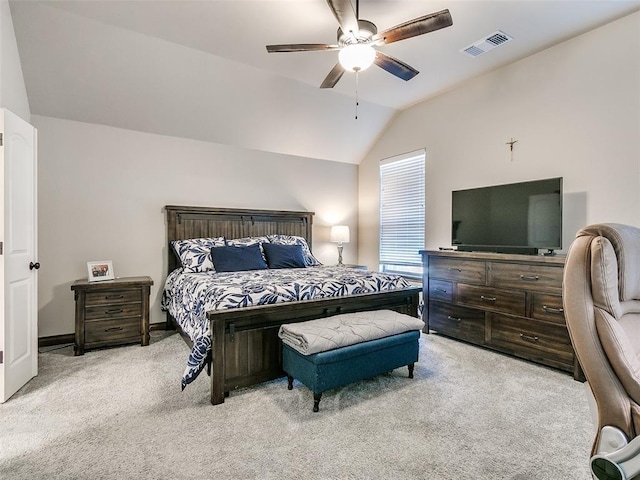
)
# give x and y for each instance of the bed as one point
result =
(245, 347)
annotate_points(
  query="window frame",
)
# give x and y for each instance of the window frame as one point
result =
(403, 261)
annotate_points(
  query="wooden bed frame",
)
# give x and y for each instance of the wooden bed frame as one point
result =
(246, 348)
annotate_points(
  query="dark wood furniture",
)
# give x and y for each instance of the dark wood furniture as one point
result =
(357, 267)
(509, 303)
(111, 312)
(246, 348)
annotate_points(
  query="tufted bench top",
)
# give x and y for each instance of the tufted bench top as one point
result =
(346, 329)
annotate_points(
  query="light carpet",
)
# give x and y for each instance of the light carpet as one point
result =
(469, 413)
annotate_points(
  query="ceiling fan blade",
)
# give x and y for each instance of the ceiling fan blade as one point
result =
(334, 75)
(395, 66)
(301, 47)
(345, 15)
(415, 27)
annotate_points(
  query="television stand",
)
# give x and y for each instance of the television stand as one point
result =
(508, 303)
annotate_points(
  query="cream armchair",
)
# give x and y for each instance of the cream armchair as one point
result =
(601, 292)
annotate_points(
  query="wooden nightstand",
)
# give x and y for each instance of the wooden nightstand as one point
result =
(111, 312)
(357, 267)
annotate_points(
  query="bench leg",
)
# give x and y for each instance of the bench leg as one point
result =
(289, 382)
(316, 401)
(411, 365)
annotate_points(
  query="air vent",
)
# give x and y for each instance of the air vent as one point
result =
(489, 43)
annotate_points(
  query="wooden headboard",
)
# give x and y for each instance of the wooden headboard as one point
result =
(198, 222)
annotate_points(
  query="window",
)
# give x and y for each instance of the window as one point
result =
(402, 213)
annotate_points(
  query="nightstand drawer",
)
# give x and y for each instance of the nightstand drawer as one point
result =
(457, 270)
(113, 311)
(507, 301)
(109, 297)
(107, 331)
(525, 277)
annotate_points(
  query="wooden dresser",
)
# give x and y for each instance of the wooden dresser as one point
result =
(111, 312)
(509, 303)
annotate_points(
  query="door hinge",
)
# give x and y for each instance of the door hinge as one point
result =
(1, 247)
(0, 139)
(1, 356)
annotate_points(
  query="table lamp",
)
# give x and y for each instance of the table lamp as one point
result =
(340, 235)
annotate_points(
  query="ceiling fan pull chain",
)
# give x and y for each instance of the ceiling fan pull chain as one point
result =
(357, 103)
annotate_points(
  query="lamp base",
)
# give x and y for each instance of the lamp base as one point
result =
(340, 254)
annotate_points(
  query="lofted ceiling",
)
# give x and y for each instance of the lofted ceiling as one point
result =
(200, 70)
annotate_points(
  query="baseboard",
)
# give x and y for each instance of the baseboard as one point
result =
(54, 340)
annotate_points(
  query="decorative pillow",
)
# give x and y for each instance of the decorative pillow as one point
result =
(309, 259)
(284, 256)
(235, 259)
(246, 241)
(195, 253)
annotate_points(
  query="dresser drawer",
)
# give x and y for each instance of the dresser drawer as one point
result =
(440, 290)
(506, 301)
(113, 311)
(109, 297)
(538, 341)
(112, 331)
(526, 277)
(459, 322)
(548, 307)
(457, 270)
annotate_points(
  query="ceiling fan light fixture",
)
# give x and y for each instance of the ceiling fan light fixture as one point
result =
(357, 57)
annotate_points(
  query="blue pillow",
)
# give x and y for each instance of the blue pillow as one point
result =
(284, 256)
(309, 259)
(235, 259)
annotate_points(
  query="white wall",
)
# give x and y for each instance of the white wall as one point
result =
(102, 191)
(13, 93)
(575, 111)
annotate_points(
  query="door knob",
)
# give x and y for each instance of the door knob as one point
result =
(34, 265)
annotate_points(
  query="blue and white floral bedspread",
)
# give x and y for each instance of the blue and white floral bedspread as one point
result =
(189, 296)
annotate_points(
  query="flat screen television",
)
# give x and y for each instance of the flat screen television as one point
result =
(521, 217)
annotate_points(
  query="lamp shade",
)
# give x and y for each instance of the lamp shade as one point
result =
(340, 234)
(357, 57)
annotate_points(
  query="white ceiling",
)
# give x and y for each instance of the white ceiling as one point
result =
(200, 70)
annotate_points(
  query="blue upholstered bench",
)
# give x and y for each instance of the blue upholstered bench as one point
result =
(335, 368)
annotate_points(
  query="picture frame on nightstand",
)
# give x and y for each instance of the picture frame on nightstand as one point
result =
(100, 270)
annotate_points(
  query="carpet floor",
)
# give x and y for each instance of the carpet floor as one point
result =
(469, 413)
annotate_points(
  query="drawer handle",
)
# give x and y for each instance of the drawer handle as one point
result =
(553, 310)
(441, 290)
(487, 299)
(113, 329)
(113, 297)
(449, 317)
(529, 278)
(454, 269)
(529, 338)
(110, 312)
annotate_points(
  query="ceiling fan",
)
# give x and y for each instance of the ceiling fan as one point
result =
(356, 39)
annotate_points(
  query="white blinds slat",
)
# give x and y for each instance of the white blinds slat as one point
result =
(402, 209)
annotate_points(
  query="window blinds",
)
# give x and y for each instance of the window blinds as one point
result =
(402, 212)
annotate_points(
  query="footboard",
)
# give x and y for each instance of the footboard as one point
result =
(245, 345)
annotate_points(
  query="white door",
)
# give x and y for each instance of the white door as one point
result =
(18, 259)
